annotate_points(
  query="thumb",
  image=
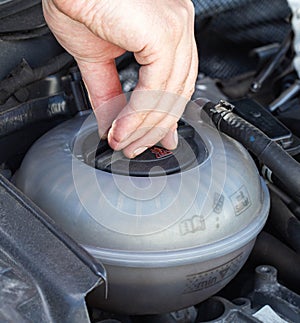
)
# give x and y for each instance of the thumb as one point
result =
(105, 91)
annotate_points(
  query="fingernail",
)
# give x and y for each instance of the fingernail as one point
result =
(138, 151)
(175, 136)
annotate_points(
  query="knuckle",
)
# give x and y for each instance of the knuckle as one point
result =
(179, 18)
(190, 7)
(180, 90)
(190, 92)
(186, 10)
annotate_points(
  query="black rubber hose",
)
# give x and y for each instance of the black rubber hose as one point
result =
(284, 222)
(26, 75)
(288, 201)
(270, 251)
(9, 8)
(34, 111)
(267, 151)
(271, 66)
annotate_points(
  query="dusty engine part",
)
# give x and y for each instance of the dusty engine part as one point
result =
(35, 285)
(268, 301)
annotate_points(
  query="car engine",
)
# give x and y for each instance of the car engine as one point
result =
(208, 232)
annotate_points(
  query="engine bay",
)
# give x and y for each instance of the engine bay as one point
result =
(209, 232)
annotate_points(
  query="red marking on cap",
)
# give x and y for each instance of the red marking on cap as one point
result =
(160, 152)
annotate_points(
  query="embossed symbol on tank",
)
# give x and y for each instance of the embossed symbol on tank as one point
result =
(207, 279)
(240, 200)
(218, 203)
(160, 152)
(196, 223)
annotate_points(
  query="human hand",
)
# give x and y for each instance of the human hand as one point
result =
(161, 36)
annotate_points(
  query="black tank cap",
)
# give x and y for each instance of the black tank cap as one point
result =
(155, 161)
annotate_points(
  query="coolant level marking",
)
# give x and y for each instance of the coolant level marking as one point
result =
(207, 279)
(240, 200)
(218, 203)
